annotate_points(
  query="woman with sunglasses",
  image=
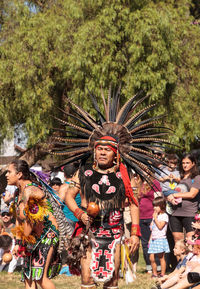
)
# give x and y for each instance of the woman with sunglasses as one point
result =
(36, 228)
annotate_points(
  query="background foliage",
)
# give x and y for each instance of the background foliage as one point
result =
(54, 48)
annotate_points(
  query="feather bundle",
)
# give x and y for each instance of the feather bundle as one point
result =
(136, 131)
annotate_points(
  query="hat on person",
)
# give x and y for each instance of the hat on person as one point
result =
(5, 210)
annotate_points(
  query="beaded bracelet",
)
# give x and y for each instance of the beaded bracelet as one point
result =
(78, 213)
(135, 230)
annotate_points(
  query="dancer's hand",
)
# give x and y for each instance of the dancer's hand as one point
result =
(133, 243)
(86, 219)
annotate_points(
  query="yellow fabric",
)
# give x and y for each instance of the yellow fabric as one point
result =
(127, 256)
(42, 210)
(12, 210)
(172, 185)
(122, 258)
(18, 231)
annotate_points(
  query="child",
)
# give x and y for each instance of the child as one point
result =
(192, 265)
(170, 176)
(169, 179)
(180, 251)
(158, 244)
(6, 245)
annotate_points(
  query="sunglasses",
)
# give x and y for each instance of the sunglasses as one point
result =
(5, 214)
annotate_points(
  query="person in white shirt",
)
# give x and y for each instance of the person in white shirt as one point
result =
(158, 244)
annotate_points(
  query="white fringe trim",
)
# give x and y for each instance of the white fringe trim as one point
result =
(88, 286)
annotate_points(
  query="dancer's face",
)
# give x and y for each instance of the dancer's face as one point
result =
(12, 175)
(104, 156)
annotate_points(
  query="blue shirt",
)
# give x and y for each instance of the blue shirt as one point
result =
(182, 263)
(68, 214)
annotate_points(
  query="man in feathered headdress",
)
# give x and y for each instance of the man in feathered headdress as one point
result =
(105, 186)
(122, 138)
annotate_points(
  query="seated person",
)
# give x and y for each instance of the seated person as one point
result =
(192, 264)
(180, 251)
(7, 244)
(184, 282)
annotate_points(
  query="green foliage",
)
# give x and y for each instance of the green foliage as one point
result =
(65, 46)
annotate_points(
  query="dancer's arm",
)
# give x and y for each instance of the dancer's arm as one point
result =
(32, 192)
(73, 190)
(28, 227)
(135, 231)
(71, 193)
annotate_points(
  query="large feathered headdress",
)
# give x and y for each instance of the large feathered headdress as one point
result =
(137, 133)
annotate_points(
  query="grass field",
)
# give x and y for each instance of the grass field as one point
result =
(143, 281)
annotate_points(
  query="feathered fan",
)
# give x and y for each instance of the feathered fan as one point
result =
(137, 134)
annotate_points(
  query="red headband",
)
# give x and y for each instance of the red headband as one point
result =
(108, 141)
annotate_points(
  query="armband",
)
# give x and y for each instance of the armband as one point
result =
(135, 230)
(73, 184)
(78, 213)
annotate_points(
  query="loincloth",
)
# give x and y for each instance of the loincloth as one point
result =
(103, 250)
(104, 234)
(34, 263)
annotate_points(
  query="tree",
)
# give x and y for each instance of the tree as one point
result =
(69, 45)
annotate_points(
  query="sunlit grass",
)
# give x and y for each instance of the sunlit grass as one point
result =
(143, 281)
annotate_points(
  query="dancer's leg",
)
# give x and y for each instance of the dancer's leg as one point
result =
(113, 283)
(86, 279)
(45, 282)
